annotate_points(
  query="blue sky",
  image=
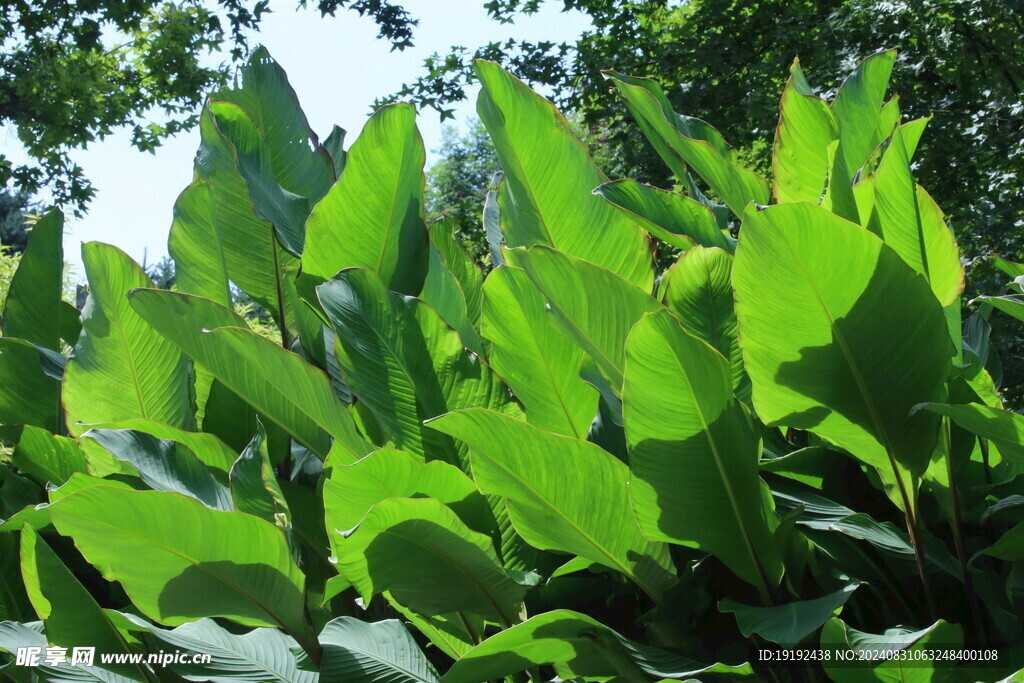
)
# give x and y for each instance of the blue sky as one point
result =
(336, 67)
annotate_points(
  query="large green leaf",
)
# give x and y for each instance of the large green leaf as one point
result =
(259, 656)
(430, 561)
(14, 635)
(179, 560)
(682, 141)
(539, 363)
(349, 491)
(910, 222)
(673, 218)
(1003, 428)
(194, 244)
(46, 457)
(72, 616)
(546, 194)
(254, 485)
(401, 359)
(381, 652)
(858, 105)
(276, 382)
(918, 660)
(298, 162)
(373, 216)
(30, 396)
(442, 291)
(461, 265)
(790, 623)
(807, 126)
(595, 307)
(164, 465)
(855, 357)
(122, 368)
(563, 494)
(693, 451)
(697, 288)
(577, 645)
(32, 310)
(212, 451)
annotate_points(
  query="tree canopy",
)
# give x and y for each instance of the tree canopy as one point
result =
(73, 72)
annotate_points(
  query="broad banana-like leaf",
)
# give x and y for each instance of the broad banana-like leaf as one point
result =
(443, 291)
(254, 485)
(840, 637)
(697, 289)
(164, 465)
(563, 494)
(693, 452)
(546, 197)
(30, 395)
(71, 615)
(212, 451)
(373, 216)
(683, 140)
(461, 265)
(14, 635)
(858, 105)
(577, 645)
(1011, 268)
(1009, 546)
(910, 222)
(178, 560)
(259, 656)
(299, 164)
(32, 310)
(46, 457)
(194, 244)
(1011, 304)
(807, 126)
(122, 368)
(432, 563)
(673, 218)
(595, 307)
(334, 143)
(381, 652)
(790, 623)
(14, 602)
(276, 382)
(854, 358)
(349, 491)
(539, 362)
(400, 358)
(1003, 428)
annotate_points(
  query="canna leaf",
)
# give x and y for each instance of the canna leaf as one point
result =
(683, 140)
(33, 310)
(548, 179)
(807, 126)
(563, 494)
(401, 359)
(855, 358)
(276, 382)
(693, 452)
(673, 218)
(429, 560)
(373, 216)
(381, 652)
(539, 363)
(179, 560)
(122, 368)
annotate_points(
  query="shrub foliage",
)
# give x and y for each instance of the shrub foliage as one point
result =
(574, 468)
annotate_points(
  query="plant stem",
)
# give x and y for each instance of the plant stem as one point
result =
(912, 532)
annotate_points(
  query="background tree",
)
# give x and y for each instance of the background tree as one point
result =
(14, 204)
(73, 72)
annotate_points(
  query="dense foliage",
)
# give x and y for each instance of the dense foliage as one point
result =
(73, 72)
(577, 468)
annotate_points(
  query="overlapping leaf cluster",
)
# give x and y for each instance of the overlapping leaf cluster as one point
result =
(575, 467)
